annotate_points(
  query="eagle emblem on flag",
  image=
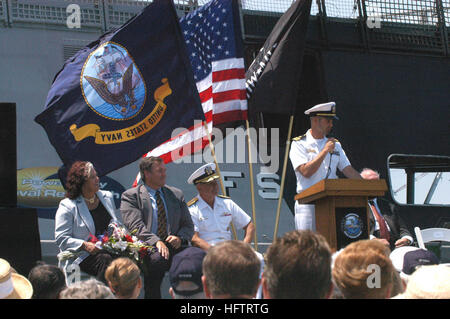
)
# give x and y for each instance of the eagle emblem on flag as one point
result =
(112, 84)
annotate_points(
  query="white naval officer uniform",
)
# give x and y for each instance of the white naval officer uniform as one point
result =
(304, 149)
(213, 224)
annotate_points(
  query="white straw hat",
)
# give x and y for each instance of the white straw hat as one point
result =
(13, 285)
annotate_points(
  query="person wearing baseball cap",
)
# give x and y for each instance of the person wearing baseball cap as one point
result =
(415, 259)
(185, 274)
(316, 156)
(406, 260)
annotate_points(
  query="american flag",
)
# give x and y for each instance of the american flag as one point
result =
(212, 36)
(213, 39)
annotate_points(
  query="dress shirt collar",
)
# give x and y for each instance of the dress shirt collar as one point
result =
(202, 204)
(373, 201)
(152, 191)
(310, 139)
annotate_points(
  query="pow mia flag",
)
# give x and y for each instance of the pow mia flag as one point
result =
(124, 93)
(272, 80)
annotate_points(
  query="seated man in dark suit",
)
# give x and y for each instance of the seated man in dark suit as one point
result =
(385, 224)
(161, 219)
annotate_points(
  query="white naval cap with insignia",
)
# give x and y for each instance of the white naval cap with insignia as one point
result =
(204, 174)
(324, 109)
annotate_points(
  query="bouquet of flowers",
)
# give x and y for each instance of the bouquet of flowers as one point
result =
(118, 242)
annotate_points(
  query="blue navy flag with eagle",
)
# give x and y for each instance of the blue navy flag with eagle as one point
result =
(124, 93)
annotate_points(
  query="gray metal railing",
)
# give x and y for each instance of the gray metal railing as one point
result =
(421, 25)
(95, 14)
(405, 25)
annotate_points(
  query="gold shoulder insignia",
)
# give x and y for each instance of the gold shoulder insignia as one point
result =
(192, 201)
(298, 138)
(223, 196)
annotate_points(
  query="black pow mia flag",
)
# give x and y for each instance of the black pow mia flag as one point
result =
(272, 80)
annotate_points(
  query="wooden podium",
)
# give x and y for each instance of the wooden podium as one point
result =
(341, 209)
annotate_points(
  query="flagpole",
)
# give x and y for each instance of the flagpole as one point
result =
(213, 153)
(283, 176)
(250, 166)
(252, 188)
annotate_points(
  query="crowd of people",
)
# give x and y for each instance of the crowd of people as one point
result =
(298, 265)
(193, 241)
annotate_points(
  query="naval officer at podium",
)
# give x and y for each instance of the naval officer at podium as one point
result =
(315, 157)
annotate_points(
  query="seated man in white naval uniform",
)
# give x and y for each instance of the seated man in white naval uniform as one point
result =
(315, 157)
(212, 213)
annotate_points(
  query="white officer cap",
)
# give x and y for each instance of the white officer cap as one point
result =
(204, 174)
(324, 109)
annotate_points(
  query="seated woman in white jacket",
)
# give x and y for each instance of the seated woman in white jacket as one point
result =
(85, 211)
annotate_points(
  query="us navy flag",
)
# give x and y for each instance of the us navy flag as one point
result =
(272, 80)
(124, 93)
